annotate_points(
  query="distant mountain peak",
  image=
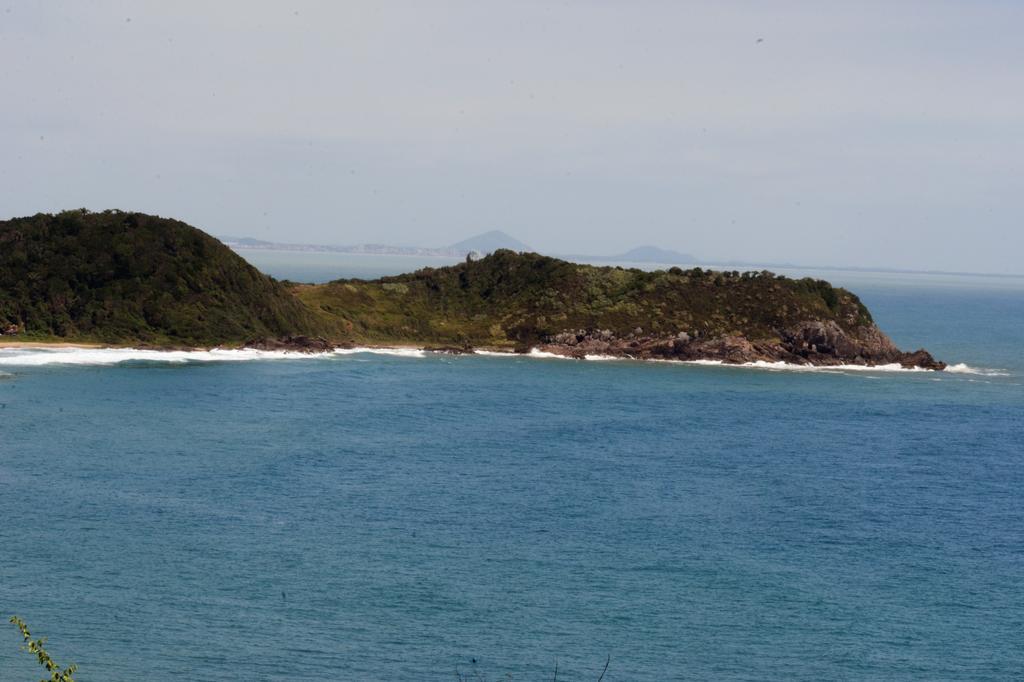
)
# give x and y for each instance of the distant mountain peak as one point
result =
(489, 242)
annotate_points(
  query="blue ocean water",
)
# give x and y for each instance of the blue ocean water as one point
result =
(377, 517)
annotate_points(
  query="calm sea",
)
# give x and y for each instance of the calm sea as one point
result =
(403, 517)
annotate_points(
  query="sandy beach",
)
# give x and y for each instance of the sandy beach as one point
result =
(44, 344)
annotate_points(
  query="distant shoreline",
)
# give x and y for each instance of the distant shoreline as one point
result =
(410, 252)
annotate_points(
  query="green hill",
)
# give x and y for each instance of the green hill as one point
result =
(128, 277)
(512, 299)
(521, 301)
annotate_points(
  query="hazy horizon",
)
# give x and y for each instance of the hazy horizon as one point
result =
(867, 135)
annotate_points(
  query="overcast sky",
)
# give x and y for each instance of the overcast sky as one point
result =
(887, 134)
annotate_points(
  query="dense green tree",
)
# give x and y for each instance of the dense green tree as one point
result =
(117, 276)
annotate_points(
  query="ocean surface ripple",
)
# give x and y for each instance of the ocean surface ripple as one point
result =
(397, 514)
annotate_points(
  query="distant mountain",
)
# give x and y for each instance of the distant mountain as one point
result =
(485, 243)
(653, 254)
(246, 242)
(489, 242)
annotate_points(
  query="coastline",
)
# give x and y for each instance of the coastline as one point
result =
(109, 354)
(91, 345)
(42, 345)
(506, 301)
(298, 348)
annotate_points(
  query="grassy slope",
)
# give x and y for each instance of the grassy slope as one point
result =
(120, 277)
(515, 300)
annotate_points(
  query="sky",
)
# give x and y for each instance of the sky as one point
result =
(864, 134)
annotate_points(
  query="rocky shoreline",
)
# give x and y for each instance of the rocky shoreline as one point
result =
(811, 343)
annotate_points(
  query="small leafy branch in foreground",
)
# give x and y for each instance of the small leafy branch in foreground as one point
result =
(37, 647)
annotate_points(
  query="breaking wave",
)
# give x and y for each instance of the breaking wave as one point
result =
(792, 367)
(961, 368)
(780, 366)
(538, 353)
(37, 357)
(894, 367)
(397, 352)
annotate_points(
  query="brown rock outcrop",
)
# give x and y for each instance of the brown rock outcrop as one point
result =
(301, 344)
(811, 343)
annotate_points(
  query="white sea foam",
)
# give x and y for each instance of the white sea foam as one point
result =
(758, 364)
(792, 367)
(538, 353)
(894, 367)
(398, 352)
(592, 357)
(787, 366)
(961, 368)
(495, 353)
(36, 357)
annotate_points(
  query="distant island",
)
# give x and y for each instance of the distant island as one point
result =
(125, 278)
(489, 242)
(481, 244)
